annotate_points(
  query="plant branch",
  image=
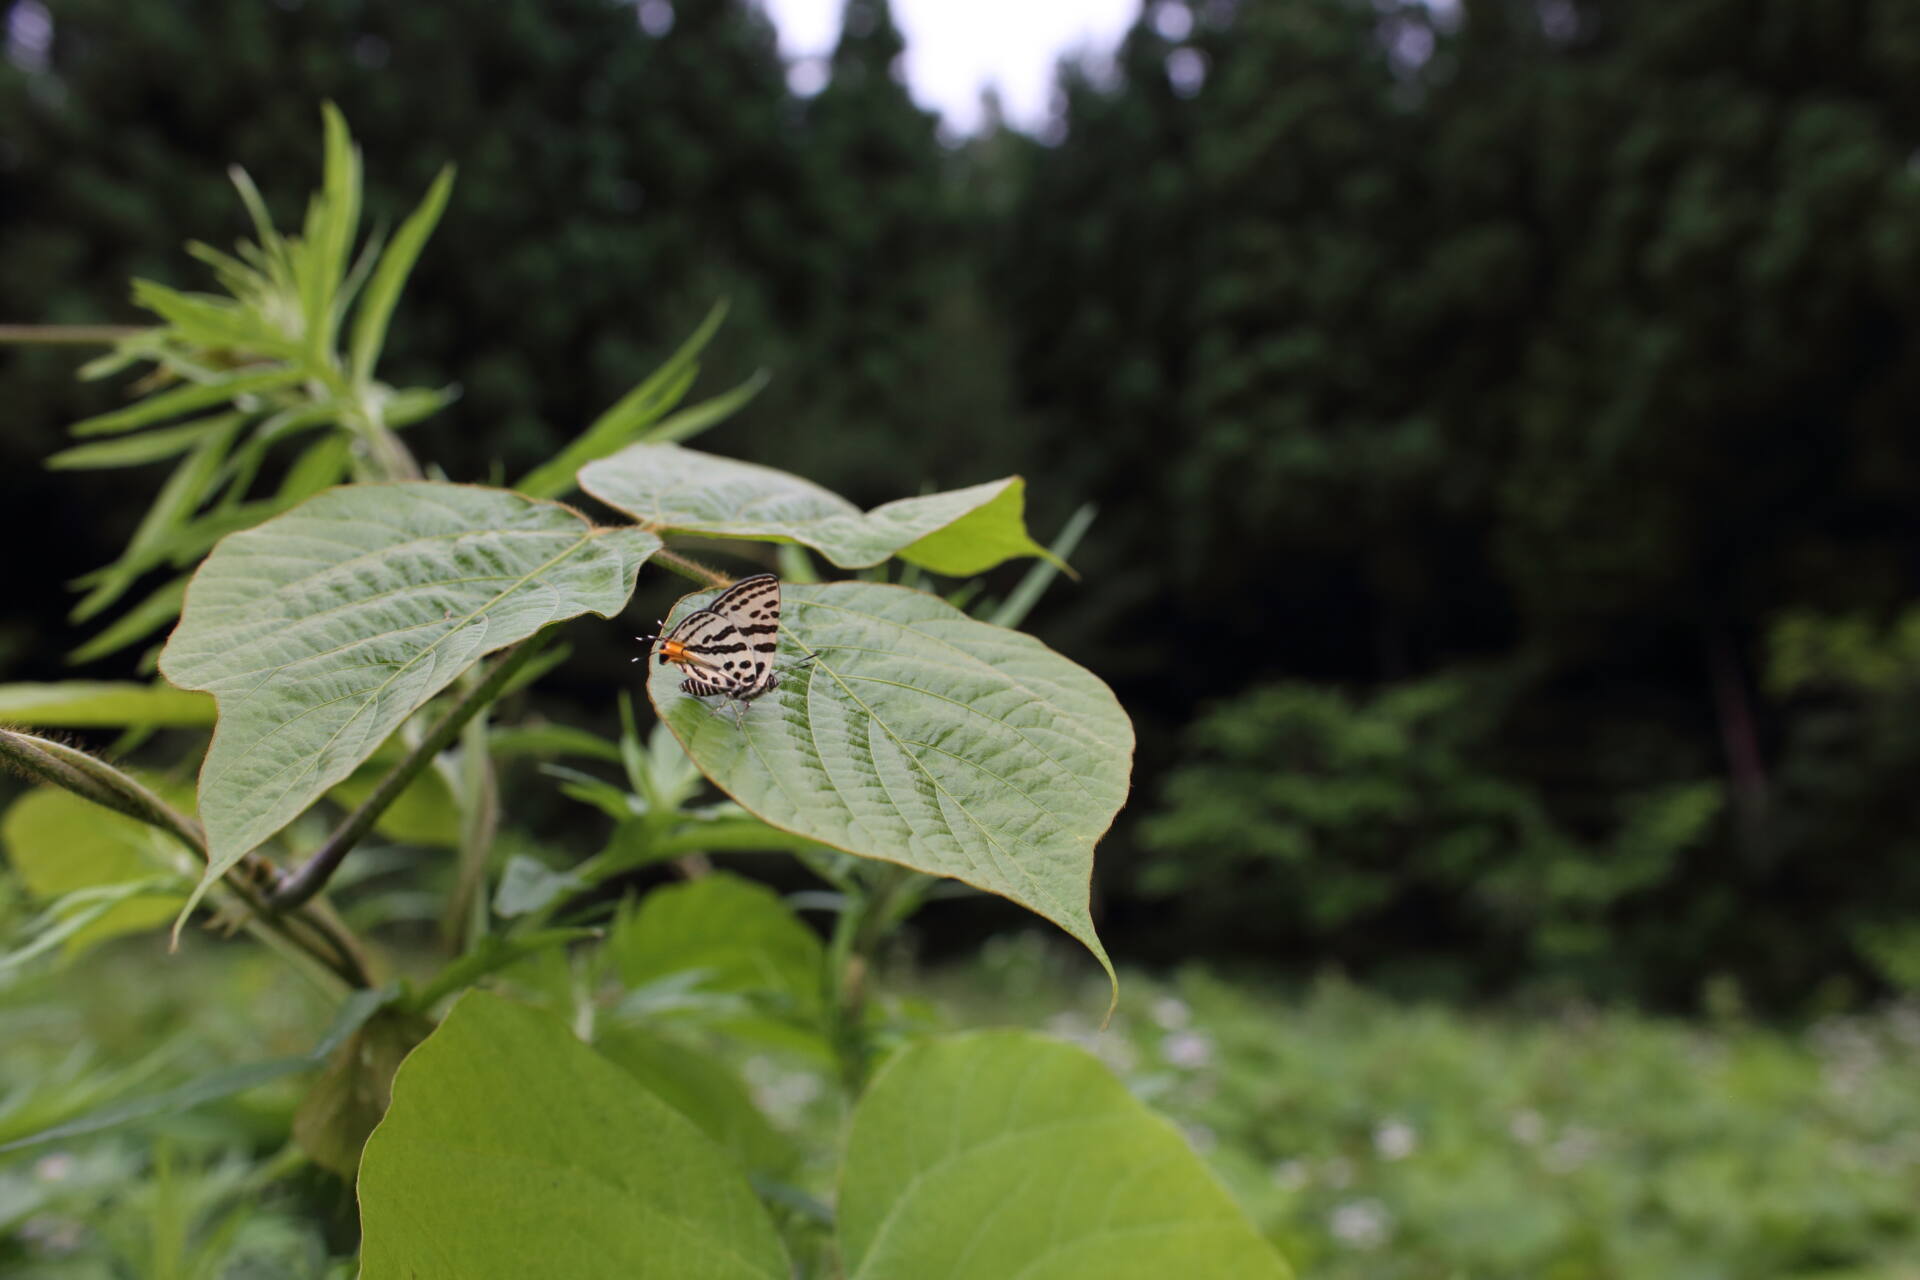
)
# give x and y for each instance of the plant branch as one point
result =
(687, 567)
(324, 939)
(301, 883)
(86, 335)
(871, 912)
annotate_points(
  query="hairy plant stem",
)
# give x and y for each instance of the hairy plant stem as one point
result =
(301, 883)
(687, 567)
(313, 932)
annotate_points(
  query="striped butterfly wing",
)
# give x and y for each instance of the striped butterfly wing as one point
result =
(732, 640)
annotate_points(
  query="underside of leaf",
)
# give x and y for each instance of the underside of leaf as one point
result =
(322, 630)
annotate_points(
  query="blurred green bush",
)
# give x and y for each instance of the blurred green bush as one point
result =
(1378, 831)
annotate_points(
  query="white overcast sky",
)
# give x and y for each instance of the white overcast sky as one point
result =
(956, 46)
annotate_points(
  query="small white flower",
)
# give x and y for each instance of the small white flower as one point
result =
(1191, 1049)
(53, 1168)
(1572, 1149)
(1291, 1175)
(784, 1095)
(51, 1235)
(1117, 1052)
(1074, 1028)
(1527, 1127)
(1904, 1020)
(1171, 1013)
(1361, 1224)
(1395, 1140)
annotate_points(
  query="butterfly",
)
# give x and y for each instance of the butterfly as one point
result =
(727, 647)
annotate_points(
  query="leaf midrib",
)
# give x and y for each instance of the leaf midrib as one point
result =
(373, 694)
(977, 667)
(1063, 915)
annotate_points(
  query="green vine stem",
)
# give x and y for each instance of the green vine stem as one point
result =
(873, 910)
(301, 883)
(312, 931)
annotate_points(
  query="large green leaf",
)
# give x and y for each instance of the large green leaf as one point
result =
(323, 629)
(741, 939)
(1007, 1154)
(58, 843)
(925, 738)
(959, 532)
(739, 932)
(705, 1090)
(513, 1150)
(90, 704)
(351, 1095)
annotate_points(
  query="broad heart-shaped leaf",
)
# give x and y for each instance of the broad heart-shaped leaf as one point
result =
(513, 1150)
(959, 532)
(1003, 1153)
(351, 1095)
(925, 738)
(705, 1090)
(321, 630)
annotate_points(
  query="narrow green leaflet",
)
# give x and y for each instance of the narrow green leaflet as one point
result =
(633, 413)
(1003, 1153)
(513, 1150)
(528, 885)
(353, 1011)
(383, 291)
(925, 738)
(321, 630)
(158, 609)
(95, 704)
(197, 395)
(133, 450)
(668, 488)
